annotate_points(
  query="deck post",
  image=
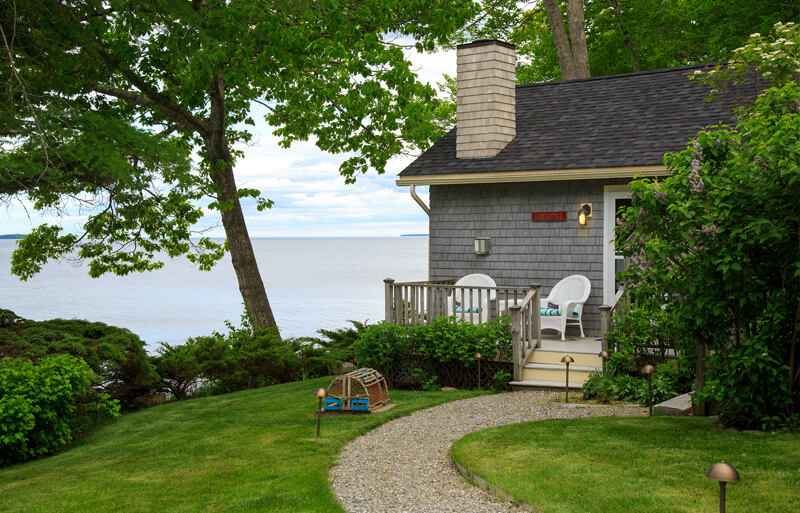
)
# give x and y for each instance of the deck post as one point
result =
(389, 303)
(605, 324)
(516, 340)
(536, 316)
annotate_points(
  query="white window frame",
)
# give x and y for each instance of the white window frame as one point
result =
(611, 193)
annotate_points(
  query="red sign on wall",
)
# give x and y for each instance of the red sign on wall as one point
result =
(549, 216)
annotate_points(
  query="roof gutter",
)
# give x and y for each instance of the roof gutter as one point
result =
(530, 176)
(419, 200)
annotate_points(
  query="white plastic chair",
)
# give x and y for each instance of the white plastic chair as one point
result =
(475, 305)
(569, 294)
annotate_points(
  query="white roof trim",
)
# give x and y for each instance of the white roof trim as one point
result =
(534, 176)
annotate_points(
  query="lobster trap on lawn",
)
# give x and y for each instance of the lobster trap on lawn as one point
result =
(362, 390)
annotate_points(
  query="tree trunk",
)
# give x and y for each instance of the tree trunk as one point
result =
(577, 36)
(556, 20)
(793, 350)
(625, 34)
(242, 256)
(573, 55)
(221, 169)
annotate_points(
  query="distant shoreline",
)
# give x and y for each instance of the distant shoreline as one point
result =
(15, 236)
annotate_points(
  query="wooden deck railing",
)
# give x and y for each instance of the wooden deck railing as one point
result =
(423, 302)
(526, 328)
(607, 315)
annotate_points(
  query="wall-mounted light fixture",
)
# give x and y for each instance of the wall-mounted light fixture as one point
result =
(584, 213)
(483, 245)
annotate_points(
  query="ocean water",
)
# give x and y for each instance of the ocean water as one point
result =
(312, 283)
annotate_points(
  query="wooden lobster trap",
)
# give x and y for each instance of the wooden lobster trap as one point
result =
(362, 390)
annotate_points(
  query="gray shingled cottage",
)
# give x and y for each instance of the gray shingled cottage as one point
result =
(522, 152)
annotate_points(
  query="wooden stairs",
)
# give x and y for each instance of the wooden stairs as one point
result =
(544, 370)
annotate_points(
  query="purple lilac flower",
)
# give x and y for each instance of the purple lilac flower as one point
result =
(711, 230)
(695, 182)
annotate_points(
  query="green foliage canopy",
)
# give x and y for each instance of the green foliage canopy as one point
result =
(638, 35)
(105, 102)
(720, 238)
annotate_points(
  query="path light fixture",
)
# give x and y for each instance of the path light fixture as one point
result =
(724, 473)
(584, 213)
(648, 370)
(567, 360)
(479, 357)
(322, 394)
(604, 355)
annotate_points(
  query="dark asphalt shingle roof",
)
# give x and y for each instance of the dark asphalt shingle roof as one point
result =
(612, 121)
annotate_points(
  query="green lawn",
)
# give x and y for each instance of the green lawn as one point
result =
(249, 451)
(623, 465)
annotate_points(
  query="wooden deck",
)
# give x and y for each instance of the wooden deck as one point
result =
(536, 356)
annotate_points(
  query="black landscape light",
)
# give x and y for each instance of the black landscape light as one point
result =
(648, 370)
(604, 355)
(567, 360)
(322, 394)
(724, 473)
(478, 357)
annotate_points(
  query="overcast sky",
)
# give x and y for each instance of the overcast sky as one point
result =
(311, 198)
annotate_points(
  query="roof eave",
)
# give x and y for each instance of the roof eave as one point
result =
(534, 176)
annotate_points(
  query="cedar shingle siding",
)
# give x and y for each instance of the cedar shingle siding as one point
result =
(523, 251)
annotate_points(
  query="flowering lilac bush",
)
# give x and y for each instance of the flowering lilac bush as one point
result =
(719, 240)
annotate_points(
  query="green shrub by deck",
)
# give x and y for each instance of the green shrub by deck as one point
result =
(445, 348)
(633, 388)
(40, 404)
(717, 240)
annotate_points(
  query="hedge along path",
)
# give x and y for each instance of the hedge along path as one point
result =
(405, 465)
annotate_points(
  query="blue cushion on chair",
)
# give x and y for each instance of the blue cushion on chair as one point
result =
(467, 310)
(550, 312)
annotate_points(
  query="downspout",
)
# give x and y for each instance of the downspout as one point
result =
(419, 200)
(427, 211)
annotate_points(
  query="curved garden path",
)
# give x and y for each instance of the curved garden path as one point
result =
(405, 466)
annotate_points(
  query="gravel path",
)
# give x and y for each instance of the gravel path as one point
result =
(405, 465)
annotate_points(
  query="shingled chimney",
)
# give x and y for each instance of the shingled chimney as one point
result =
(486, 101)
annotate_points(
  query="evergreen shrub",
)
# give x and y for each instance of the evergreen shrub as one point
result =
(115, 355)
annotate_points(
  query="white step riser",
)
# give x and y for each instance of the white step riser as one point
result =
(554, 375)
(543, 385)
(585, 360)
